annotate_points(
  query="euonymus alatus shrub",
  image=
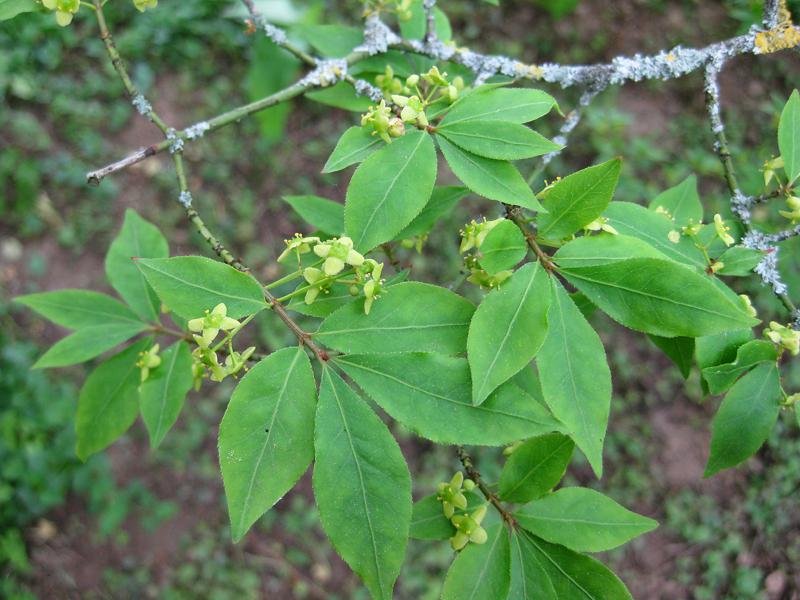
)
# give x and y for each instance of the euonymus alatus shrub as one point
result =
(523, 369)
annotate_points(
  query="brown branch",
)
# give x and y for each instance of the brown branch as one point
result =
(474, 475)
(514, 214)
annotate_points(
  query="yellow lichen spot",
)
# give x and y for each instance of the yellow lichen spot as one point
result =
(781, 37)
(529, 71)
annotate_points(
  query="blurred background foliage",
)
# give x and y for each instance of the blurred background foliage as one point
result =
(138, 524)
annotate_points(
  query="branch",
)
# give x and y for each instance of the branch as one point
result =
(474, 475)
(767, 269)
(185, 196)
(514, 214)
(379, 38)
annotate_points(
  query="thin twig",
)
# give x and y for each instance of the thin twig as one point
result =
(185, 196)
(513, 213)
(474, 475)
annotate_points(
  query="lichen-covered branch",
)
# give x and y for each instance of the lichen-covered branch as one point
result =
(779, 33)
(175, 143)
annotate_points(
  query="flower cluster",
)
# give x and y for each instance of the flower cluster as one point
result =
(411, 97)
(382, 122)
(148, 359)
(206, 329)
(336, 255)
(692, 230)
(468, 526)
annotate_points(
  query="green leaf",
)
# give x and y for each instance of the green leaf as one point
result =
(108, 402)
(578, 199)
(528, 380)
(570, 575)
(659, 297)
(190, 285)
(789, 136)
(86, 343)
(582, 520)
(430, 394)
(601, 249)
(137, 239)
(342, 95)
(680, 350)
(503, 248)
(354, 146)
(745, 418)
(409, 317)
(361, 485)
(162, 394)
(428, 521)
(266, 436)
(515, 105)
(321, 213)
(331, 41)
(481, 571)
(11, 8)
(77, 309)
(500, 140)
(653, 228)
(535, 467)
(576, 381)
(389, 189)
(271, 69)
(529, 579)
(442, 201)
(721, 348)
(682, 202)
(494, 179)
(739, 261)
(414, 28)
(721, 377)
(508, 329)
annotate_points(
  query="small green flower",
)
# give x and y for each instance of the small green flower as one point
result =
(434, 77)
(314, 277)
(65, 10)
(468, 529)
(210, 325)
(450, 495)
(148, 360)
(722, 231)
(337, 253)
(674, 236)
(378, 118)
(601, 224)
(236, 361)
(784, 336)
(299, 245)
(373, 287)
(509, 450)
(769, 169)
(474, 233)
